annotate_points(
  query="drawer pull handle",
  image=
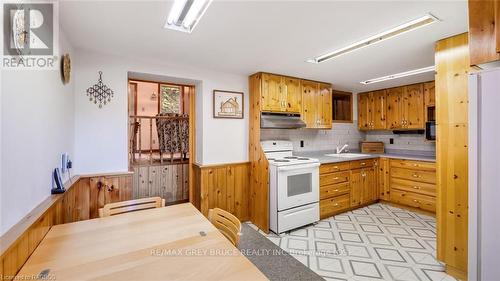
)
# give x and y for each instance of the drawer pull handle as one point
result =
(415, 200)
(415, 165)
(416, 187)
(336, 167)
(335, 178)
(336, 190)
(415, 176)
(363, 163)
(336, 204)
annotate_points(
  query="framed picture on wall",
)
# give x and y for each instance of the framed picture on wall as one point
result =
(228, 104)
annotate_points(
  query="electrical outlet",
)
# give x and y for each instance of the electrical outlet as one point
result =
(391, 141)
(301, 143)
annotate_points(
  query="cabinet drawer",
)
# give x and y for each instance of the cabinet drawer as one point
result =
(411, 164)
(416, 200)
(334, 205)
(332, 190)
(362, 163)
(333, 167)
(333, 178)
(414, 186)
(414, 175)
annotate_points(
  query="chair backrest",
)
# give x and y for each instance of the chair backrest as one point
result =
(122, 207)
(228, 224)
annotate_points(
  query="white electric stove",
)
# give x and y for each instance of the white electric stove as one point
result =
(293, 187)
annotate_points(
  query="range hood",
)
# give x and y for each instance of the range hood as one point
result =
(280, 121)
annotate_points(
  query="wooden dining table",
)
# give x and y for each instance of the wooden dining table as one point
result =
(170, 243)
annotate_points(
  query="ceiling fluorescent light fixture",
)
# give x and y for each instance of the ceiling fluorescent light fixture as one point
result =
(388, 34)
(185, 14)
(399, 75)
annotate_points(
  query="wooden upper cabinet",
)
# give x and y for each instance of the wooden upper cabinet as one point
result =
(484, 32)
(293, 95)
(325, 106)
(378, 110)
(272, 93)
(429, 94)
(310, 91)
(363, 120)
(413, 107)
(394, 108)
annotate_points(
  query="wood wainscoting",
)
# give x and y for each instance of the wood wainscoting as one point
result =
(452, 70)
(224, 186)
(168, 181)
(83, 197)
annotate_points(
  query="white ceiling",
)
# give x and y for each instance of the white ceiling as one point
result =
(244, 37)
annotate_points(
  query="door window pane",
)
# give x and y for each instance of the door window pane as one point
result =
(299, 184)
(170, 99)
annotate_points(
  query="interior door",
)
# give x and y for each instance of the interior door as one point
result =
(309, 103)
(325, 106)
(379, 110)
(363, 122)
(293, 95)
(272, 93)
(413, 106)
(394, 110)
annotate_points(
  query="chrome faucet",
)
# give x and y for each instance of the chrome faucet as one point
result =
(339, 150)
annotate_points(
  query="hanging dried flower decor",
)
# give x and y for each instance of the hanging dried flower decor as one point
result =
(100, 92)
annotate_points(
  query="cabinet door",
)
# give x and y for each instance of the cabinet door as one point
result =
(325, 106)
(383, 179)
(272, 93)
(356, 187)
(309, 103)
(368, 186)
(378, 110)
(413, 107)
(363, 121)
(293, 95)
(429, 94)
(394, 110)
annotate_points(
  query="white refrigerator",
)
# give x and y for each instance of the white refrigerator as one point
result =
(484, 176)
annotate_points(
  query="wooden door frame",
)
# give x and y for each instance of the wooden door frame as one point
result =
(192, 130)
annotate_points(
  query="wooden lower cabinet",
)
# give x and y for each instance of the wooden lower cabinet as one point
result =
(334, 205)
(412, 199)
(384, 186)
(413, 183)
(347, 185)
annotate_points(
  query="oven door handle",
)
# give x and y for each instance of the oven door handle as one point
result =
(296, 167)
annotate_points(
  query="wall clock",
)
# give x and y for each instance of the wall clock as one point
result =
(66, 68)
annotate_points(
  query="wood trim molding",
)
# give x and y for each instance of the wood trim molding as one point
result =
(75, 204)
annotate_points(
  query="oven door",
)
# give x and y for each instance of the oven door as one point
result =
(297, 185)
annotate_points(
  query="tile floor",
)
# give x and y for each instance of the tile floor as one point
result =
(377, 242)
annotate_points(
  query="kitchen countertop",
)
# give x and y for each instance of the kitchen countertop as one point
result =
(320, 155)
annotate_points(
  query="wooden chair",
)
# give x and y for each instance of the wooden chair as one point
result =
(122, 207)
(228, 224)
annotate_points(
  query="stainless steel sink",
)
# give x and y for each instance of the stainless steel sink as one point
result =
(347, 155)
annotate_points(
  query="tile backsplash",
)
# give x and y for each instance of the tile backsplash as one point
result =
(343, 133)
(416, 142)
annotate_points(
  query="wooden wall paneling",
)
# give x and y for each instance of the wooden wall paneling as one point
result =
(76, 204)
(259, 167)
(96, 196)
(185, 182)
(452, 68)
(241, 192)
(483, 31)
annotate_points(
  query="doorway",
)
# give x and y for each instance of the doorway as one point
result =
(161, 139)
